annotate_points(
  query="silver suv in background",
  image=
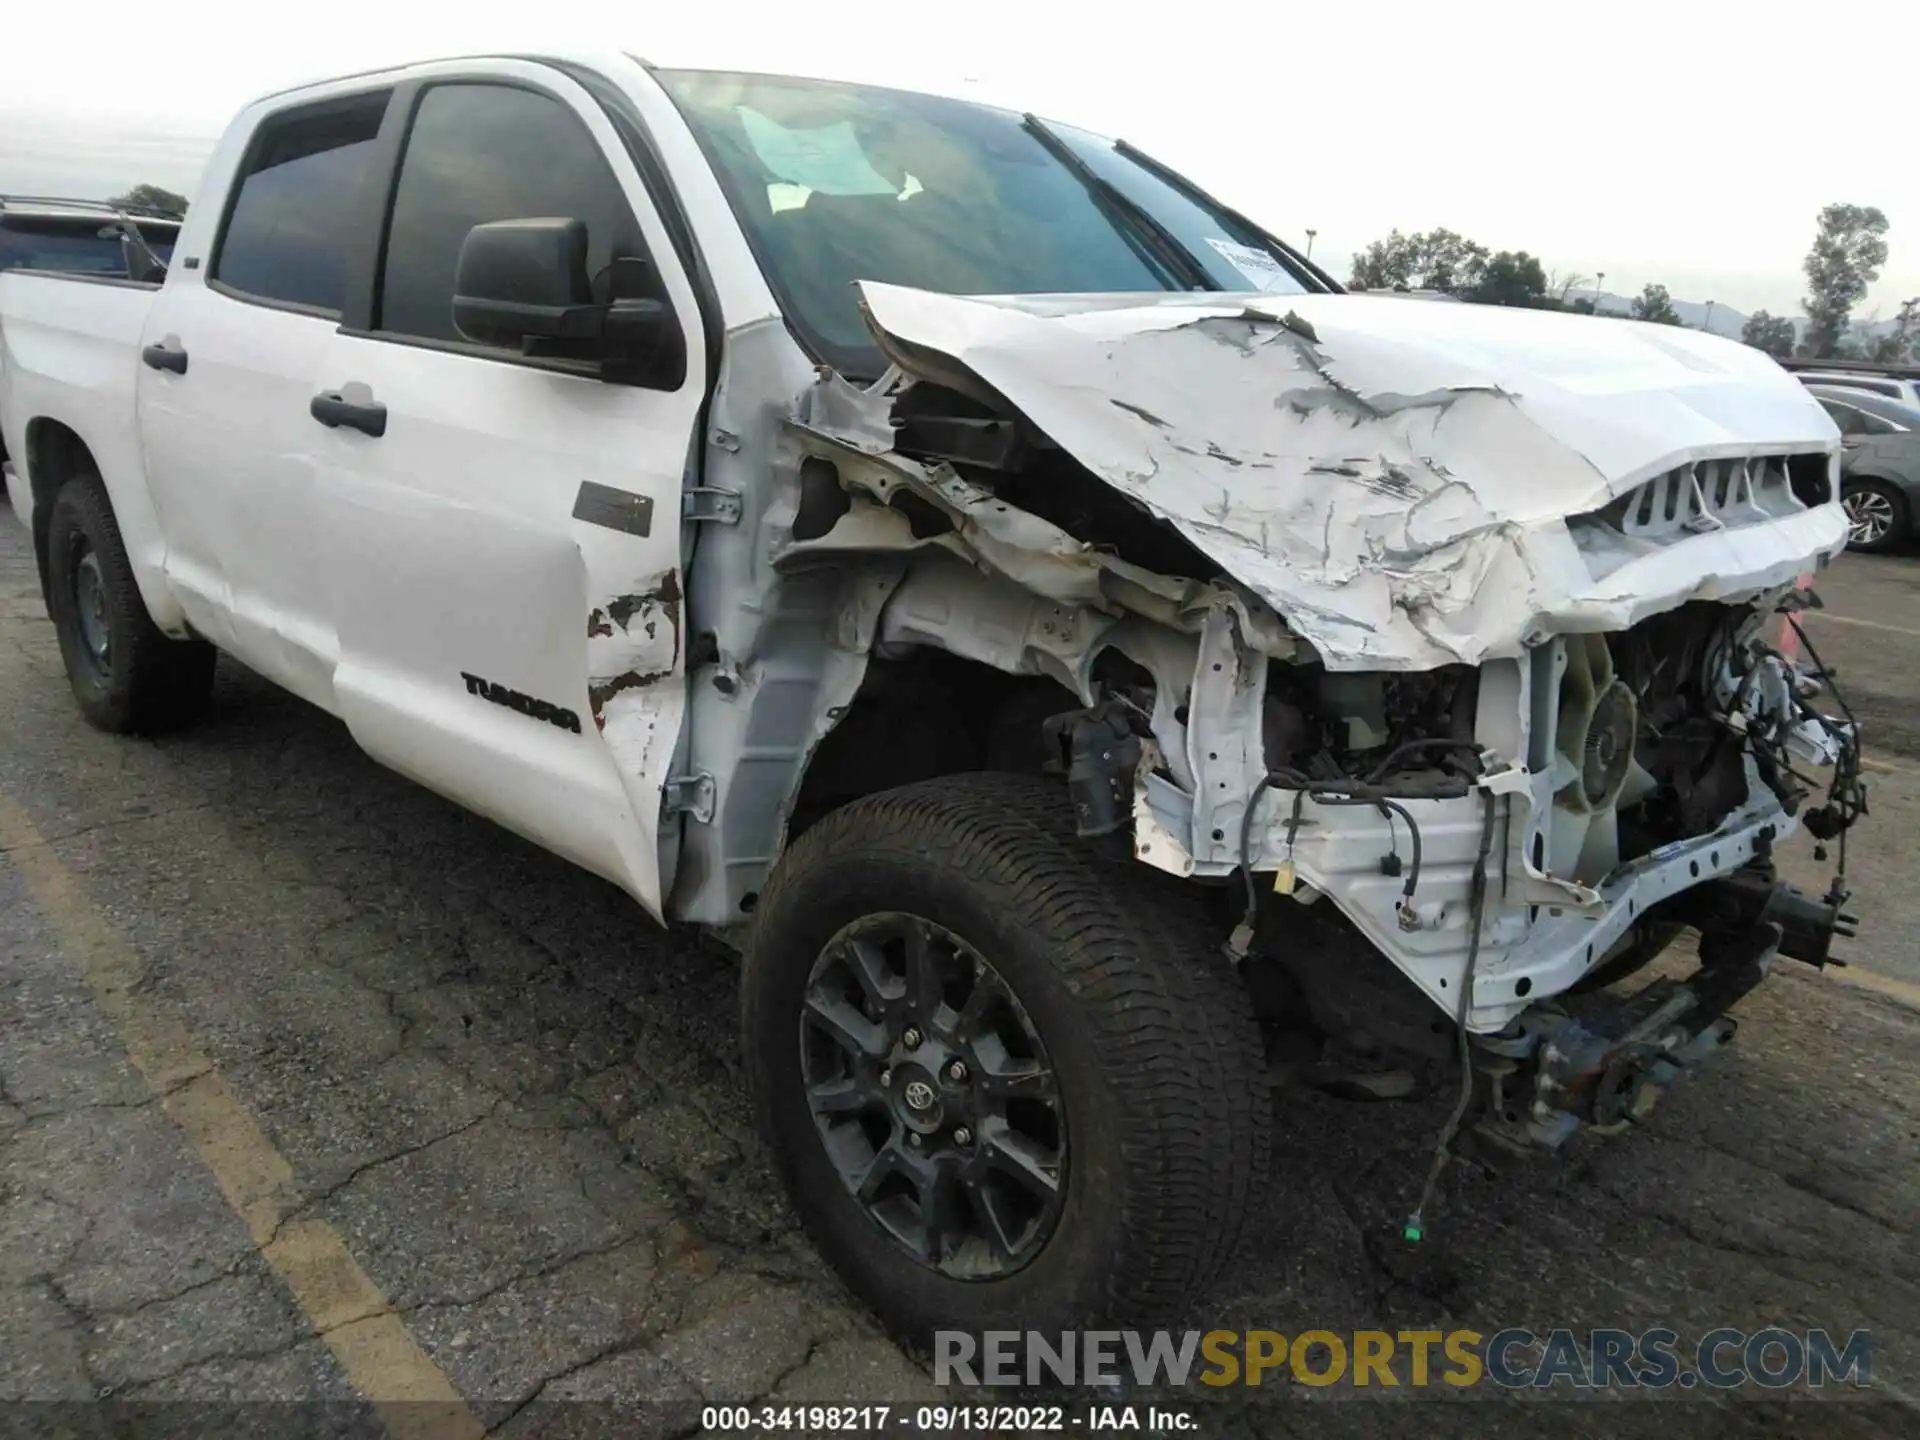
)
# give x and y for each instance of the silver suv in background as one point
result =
(1879, 466)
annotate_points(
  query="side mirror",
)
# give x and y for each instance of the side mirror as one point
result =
(642, 344)
(524, 283)
(520, 280)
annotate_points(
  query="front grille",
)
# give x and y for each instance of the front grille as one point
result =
(1705, 495)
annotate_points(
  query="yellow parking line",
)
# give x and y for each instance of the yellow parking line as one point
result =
(413, 1396)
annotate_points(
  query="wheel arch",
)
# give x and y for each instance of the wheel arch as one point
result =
(1905, 493)
(922, 715)
(56, 452)
(939, 670)
(1906, 488)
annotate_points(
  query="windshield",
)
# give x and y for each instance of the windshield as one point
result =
(836, 183)
(73, 247)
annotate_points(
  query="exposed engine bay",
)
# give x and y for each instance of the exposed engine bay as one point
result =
(1653, 729)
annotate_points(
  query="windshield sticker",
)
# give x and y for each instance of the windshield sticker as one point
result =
(1257, 265)
(827, 158)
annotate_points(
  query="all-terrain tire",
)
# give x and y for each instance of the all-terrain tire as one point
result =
(1150, 1034)
(144, 681)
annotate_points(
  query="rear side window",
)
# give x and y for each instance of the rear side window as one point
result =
(292, 219)
(85, 248)
(479, 153)
(1856, 422)
(1861, 382)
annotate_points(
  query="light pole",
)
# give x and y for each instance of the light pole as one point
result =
(1599, 279)
(1707, 324)
(1310, 235)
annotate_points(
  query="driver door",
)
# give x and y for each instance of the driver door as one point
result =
(501, 534)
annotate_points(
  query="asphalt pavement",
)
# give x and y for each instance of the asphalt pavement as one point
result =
(326, 1103)
(1868, 631)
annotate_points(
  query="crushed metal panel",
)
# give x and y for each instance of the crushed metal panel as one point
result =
(1394, 480)
(776, 639)
(1037, 553)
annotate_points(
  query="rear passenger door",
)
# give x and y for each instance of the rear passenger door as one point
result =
(231, 355)
(501, 549)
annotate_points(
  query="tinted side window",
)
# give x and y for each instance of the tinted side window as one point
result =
(479, 153)
(86, 249)
(291, 223)
(1862, 382)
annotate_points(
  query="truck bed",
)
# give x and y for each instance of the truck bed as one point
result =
(68, 348)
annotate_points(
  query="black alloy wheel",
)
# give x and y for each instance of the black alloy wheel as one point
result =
(934, 1095)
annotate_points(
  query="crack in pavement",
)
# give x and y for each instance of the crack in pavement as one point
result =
(619, 1347)
(310, 1202)
(238, 1269)
(119, 823)
(219, 1357)
(544, 1270)
(77, 1321)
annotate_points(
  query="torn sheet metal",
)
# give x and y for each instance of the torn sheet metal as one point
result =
(848, 427)
(633, 646)
(633, 641)
(1394, 480)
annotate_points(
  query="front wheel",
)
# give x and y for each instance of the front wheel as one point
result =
(1005, 1077)
(1876, 515)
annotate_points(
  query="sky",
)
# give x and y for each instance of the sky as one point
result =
(1684, 143)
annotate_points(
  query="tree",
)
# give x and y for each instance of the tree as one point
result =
(1513, 277)
(152, 197)
(1427, 260)
(1560, 286)
(1771, 333)
(1902, 343)
(1849, 247)
(1656, 305)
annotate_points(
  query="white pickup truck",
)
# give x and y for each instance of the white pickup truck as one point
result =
(1057, 634)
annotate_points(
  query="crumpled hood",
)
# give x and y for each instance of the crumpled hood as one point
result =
(1392, 475)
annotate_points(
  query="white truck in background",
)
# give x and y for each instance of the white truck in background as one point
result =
(994, 582)
(49, 234)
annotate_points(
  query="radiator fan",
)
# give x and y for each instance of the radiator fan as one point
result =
(1594, 773)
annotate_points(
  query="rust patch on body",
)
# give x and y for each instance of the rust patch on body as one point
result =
(644, 609)
(622, 608)
(601, 691)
